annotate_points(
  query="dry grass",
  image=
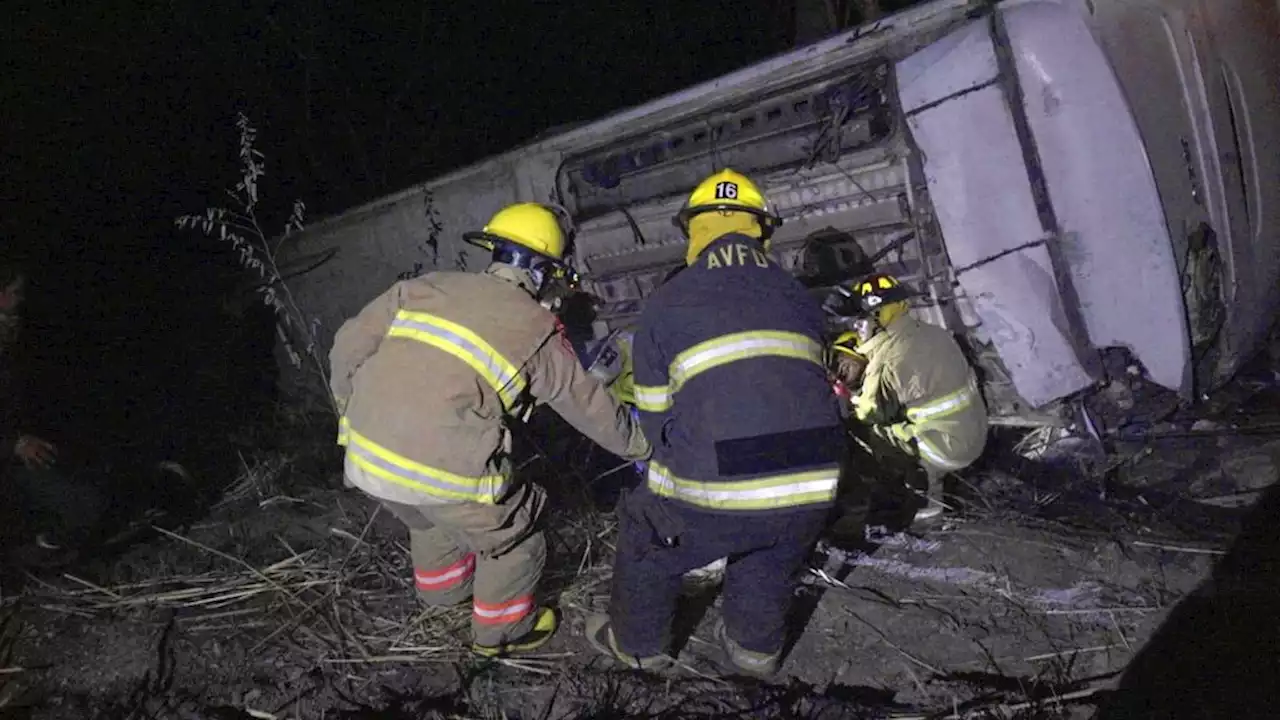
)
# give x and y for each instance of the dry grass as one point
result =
(343, 605)
(11, 626)
(337, 607)
(258, 480)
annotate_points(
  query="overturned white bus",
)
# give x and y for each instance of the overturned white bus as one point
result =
(1054, 178)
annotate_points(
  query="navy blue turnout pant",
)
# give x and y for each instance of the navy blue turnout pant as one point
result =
(766, 552)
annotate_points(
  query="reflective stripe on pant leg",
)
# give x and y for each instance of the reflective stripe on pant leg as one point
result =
(448, 585)
(444, 569)
(503, 613)
(503, 610)
(510, 554)
(443, 566)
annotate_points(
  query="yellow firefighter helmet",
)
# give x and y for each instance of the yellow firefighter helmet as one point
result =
(530, 225)
(728, 191)
(847, 343)
(532, 237)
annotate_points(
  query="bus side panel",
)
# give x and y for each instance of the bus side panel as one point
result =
(979, 186)
(1102, 190)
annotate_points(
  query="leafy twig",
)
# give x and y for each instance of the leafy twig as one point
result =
(243, 230)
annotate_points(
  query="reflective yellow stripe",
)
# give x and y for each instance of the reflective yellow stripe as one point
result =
(944, 406)
(935, 455)
(778, 491)
(864, 405)
(498, 372)
(723, 350)
(741, 346)
(651, 398)
(903, 431)
(386, 465)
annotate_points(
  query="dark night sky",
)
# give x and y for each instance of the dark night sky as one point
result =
(119, 116)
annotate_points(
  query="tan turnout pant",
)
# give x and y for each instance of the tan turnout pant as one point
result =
(491, 554)
(883, 468)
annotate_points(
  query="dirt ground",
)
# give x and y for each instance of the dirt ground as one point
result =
(295, 601)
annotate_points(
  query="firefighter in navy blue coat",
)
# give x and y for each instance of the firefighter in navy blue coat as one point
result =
(733, 393)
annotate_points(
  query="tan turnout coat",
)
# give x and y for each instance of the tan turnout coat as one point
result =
(428, 374)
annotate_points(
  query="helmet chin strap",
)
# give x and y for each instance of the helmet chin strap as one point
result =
(541, 271)
(542, 290)
(867, 328)
(539, 279)
(552, 290)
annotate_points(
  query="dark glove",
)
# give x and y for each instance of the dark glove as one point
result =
(644, 507)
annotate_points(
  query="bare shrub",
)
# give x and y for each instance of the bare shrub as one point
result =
(240, 226)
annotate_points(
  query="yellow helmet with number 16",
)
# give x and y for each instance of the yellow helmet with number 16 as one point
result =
(728, 191)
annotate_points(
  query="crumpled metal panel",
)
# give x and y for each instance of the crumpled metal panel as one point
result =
(863, 190)
(1119, 253)
(978, 184)
(772, 132)
(861, 194)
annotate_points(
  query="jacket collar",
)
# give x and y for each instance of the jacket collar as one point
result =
(519, 277)
(735, 237)
(726, 239)
(902, 326)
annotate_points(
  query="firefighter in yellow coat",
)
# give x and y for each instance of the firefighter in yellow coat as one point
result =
(919, 400)
(427, 378)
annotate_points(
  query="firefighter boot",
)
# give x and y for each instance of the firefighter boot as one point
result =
(934, 506)
(544, 626)
(755, 664)
(599, 632)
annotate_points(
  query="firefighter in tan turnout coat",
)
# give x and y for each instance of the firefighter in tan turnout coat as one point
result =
(426, 378)
(918, 403)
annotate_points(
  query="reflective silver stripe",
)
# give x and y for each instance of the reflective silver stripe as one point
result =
(787, 490)
(945, 405)
(452, 575)
(740, 346)
(497, 371)
(651, 398)
(388, 466)
(502, 613)
(935, 456)
(720, 351)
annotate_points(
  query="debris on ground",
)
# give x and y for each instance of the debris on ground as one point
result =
(296, 602)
